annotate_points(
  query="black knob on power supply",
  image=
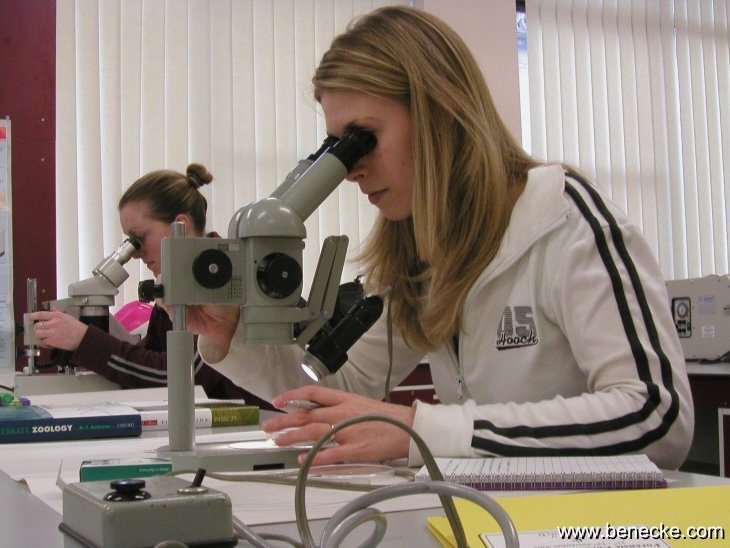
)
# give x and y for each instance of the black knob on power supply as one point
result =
(127, 490)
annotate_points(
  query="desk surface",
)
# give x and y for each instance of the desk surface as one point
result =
(28, 521)
(41, 465)
(32, 520)
(701, 369)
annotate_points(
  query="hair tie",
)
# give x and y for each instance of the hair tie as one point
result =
(194, 181)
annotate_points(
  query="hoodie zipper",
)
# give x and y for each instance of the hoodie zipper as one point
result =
(459, 369)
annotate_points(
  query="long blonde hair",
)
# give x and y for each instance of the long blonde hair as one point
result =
(465, 165)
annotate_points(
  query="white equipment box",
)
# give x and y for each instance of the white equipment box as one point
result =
(701, 313)
(141, 513)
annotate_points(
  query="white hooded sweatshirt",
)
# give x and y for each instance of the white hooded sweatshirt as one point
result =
(567, 345)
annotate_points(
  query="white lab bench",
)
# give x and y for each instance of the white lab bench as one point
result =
(710, 385)
(31, 505)
(39, 465)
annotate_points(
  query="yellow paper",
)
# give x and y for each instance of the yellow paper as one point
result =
(682, 507)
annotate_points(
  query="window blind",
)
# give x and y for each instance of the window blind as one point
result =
(637, 96)
(150, 84)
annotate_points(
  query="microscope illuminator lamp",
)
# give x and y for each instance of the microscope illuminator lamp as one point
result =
(327, 352)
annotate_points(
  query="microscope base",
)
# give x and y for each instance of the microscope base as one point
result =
(61, 383)
(242, 456)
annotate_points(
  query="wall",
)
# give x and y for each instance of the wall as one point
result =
(489, 29)
(27, 97)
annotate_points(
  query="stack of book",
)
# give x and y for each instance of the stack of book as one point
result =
(29, 423)
(208, 414)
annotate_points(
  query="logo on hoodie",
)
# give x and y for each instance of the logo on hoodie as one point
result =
(516, 328)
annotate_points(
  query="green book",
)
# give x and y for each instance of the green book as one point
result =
(208, 414)
(111, 469)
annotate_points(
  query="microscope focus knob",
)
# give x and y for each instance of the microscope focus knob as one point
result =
(212, 269)
(278, 275)
(148, 291)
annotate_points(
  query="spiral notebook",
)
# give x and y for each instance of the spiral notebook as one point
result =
(550, 473)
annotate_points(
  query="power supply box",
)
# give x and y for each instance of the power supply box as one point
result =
(701, 312)
(142, 513)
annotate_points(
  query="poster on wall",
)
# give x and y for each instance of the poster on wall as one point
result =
(7, 323)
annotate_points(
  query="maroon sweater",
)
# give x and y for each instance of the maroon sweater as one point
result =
(144, 364)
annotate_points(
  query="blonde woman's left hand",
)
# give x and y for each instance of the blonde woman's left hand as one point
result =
(371, 441)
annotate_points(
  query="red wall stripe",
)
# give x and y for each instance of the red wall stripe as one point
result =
(28, 98)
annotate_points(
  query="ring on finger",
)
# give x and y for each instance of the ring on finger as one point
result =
(43, 326)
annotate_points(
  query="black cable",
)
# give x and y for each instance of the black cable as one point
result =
(722, 359)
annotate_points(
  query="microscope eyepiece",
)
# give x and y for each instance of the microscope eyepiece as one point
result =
(355, 144)
(135, 242)
(326, 145)
(111, 268)
(125, 251)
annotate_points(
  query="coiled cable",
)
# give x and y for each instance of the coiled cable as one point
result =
(358, 511)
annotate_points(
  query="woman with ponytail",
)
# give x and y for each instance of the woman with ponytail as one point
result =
(147, 210)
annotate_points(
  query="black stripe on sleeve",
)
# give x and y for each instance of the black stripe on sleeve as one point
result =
(637, 349)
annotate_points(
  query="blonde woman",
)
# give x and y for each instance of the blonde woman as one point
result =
(541, 309)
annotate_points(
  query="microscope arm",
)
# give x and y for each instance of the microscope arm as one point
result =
(102, 287)
(259, 265)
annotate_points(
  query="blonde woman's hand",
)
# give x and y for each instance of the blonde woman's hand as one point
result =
(370, 441)
(215, 323)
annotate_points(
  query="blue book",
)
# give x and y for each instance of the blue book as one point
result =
(21, 424)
